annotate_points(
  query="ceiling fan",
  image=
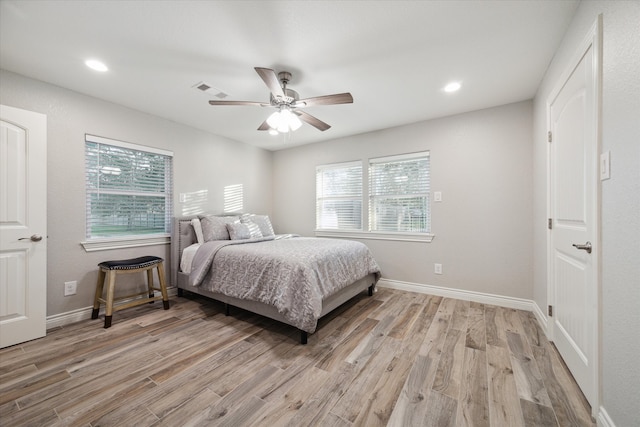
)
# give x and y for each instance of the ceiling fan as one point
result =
(288, 103)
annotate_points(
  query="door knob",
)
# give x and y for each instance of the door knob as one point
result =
(585, 247)
(34, 238)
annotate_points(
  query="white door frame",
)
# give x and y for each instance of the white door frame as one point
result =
(593, 40)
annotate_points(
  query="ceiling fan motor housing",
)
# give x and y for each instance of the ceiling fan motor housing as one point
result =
(290, 96)
(284, 77)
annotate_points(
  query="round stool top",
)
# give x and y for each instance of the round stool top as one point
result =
(131, 264)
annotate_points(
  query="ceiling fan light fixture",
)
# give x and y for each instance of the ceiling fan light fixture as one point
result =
(274, 120)
(283, 128)
(292, 120)
(284, 121)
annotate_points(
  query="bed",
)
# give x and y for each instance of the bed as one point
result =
(292, 279)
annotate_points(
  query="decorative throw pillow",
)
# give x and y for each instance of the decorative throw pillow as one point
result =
(254, 230)
(197, 227)
(262, 221)
(215, 227)
(238, 231)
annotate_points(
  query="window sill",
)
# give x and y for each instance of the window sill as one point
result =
(398, 237)
(125, 242)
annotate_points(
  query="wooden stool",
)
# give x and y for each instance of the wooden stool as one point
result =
(110, 269)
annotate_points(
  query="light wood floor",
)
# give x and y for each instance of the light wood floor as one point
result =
(397, 358)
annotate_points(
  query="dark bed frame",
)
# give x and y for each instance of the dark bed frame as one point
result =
(183, 236)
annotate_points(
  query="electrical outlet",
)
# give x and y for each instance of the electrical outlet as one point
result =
(70, 288)
(437, 268)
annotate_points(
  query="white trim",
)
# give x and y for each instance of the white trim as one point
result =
(604, 420)
(542, 318)
(125, 242)
(348, 164)
(593, 39)
(80, 314)
(129, 145)
(400, 157)
(480, 297)
(73, 316)
(398, 237)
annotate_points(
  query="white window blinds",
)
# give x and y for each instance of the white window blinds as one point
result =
(129, 189)
(339, 196)
(399, 194)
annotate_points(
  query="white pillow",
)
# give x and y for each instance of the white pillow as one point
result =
(262, 221)
(197, 227)
(254, 230)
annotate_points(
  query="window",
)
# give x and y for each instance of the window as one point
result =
(399, 199)
(129, 190)
(339, 196)
(399, 194)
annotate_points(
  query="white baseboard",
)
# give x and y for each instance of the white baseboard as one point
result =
(603, 419)
(483, 298)
(62, 319)
(73, 316)
(542, 318)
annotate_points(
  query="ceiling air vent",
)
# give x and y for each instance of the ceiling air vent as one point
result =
(210, 90)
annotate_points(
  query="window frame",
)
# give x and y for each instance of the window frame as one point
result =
(403, 236)
(372, 198)
(341, 165)
(91, 244)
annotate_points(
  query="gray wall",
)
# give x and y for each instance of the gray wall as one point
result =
(203, 164)
(620, 298)
(480, 161)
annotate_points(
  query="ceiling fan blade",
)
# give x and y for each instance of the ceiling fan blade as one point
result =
(338, 98)
(264, 126)
(259, 104)
(313, 121)
(270, 78)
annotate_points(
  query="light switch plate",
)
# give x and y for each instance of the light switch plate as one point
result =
(605, 165)
(437, 196)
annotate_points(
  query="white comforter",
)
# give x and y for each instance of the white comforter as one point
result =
(292, 274)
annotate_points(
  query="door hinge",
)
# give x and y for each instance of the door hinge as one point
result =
(549, 136)
(550, 223)
(550, 310)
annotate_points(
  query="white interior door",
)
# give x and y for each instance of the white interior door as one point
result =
(574, 248)
(23, 225)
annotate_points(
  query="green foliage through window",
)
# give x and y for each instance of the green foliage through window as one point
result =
(399, 194)
(398, 191)
(129, 189)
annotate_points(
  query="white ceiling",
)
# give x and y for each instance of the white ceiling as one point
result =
(393, 56)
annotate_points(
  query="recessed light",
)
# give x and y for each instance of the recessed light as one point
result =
(96, 65)
(452, 87)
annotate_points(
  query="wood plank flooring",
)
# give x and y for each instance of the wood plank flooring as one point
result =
(393, 359)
